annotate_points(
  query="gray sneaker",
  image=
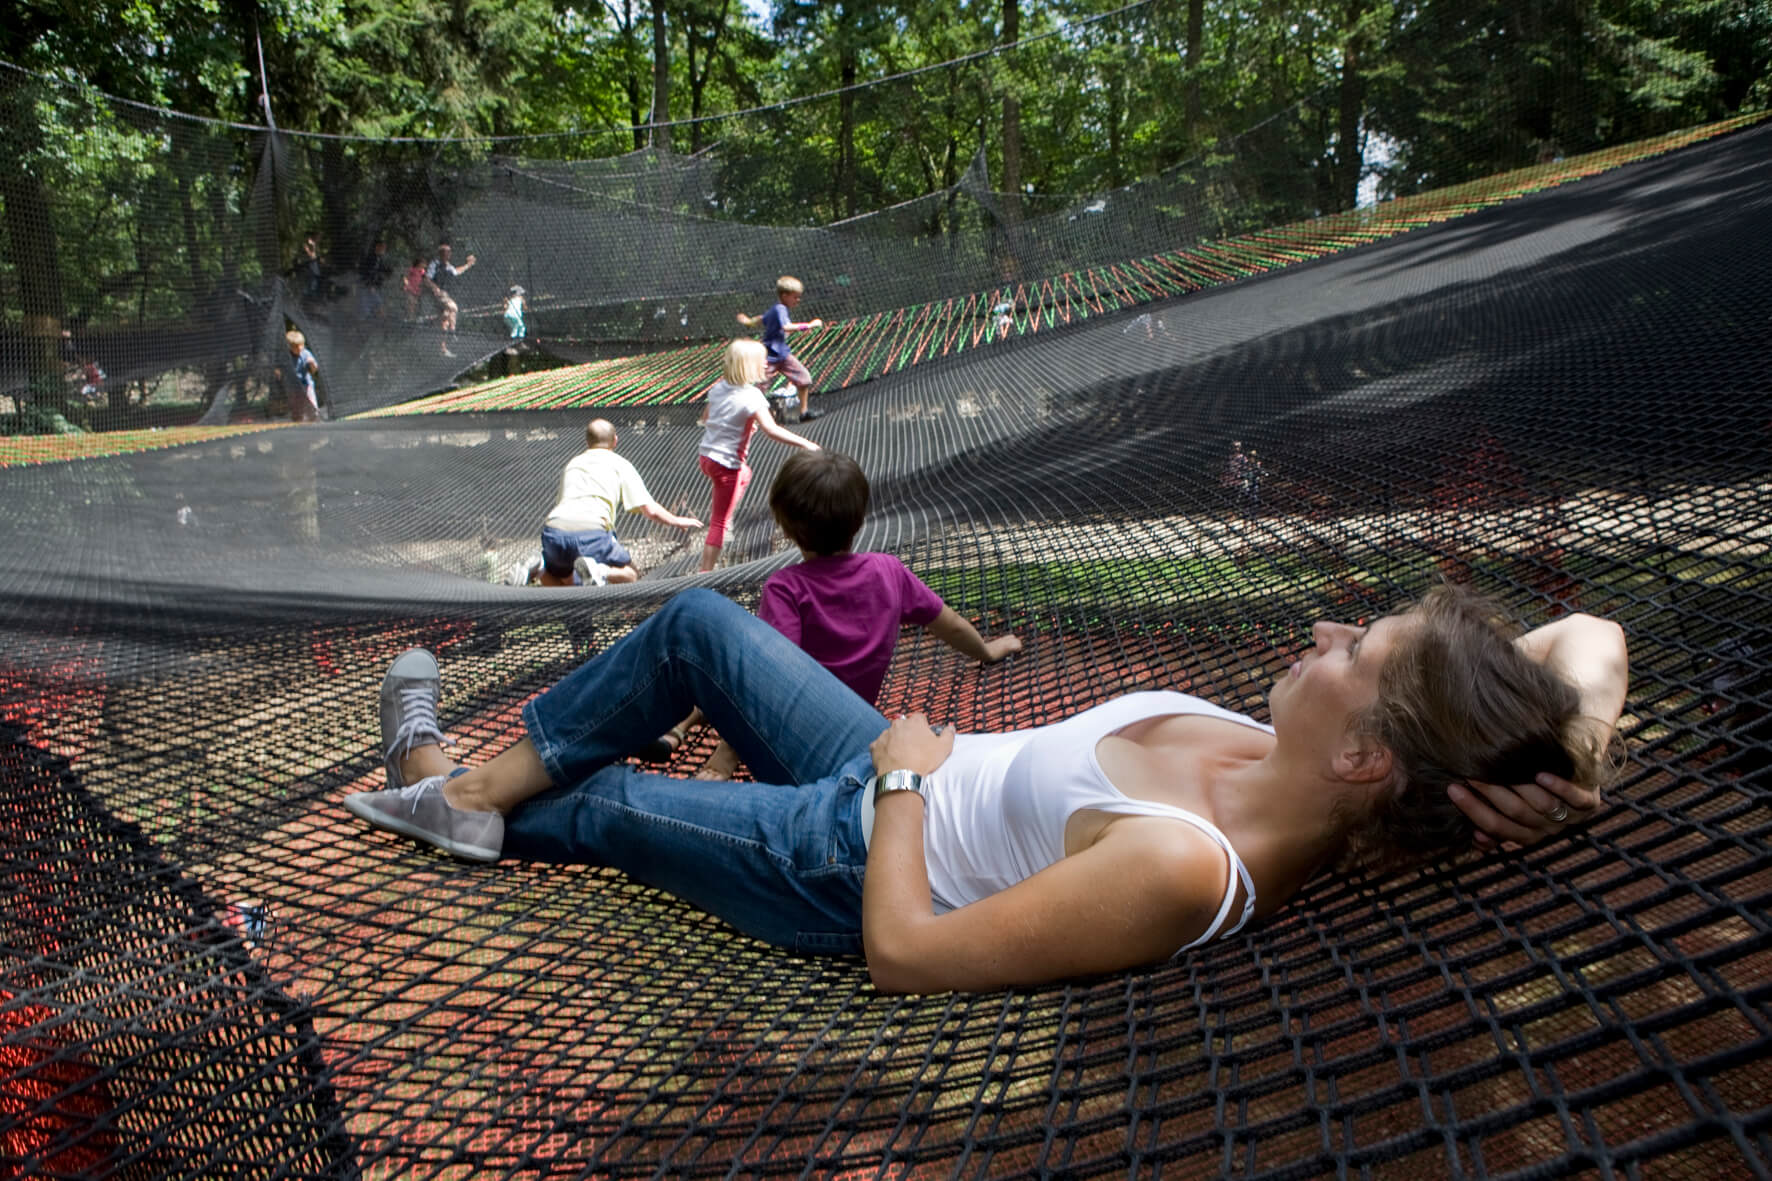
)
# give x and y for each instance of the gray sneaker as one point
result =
(421, 812)
(409, 709)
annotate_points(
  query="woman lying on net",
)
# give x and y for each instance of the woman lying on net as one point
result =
(1152, 823)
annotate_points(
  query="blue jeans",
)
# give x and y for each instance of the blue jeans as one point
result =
(560, 548)
(782, 858)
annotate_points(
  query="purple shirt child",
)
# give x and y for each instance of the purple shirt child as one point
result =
(845, 611)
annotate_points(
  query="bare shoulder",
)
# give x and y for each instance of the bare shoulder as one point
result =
(1179, 871)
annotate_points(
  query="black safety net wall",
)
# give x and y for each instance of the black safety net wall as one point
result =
(1564, 400)
(152, 261)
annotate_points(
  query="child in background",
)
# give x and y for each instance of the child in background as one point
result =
(843, 608)
(777, 322)
(514, 306)
(298, 379)
(735, 408)
(414, 286)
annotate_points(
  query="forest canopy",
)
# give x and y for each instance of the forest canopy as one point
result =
(795, 114)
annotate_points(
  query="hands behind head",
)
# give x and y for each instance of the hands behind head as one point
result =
(912, 744)
(1525, 813)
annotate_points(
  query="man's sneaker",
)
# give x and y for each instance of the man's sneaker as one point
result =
(525, 572)
(420, 811)
(409, 709)
(590, 573)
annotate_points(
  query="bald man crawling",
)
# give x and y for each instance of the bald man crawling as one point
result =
(578, 546)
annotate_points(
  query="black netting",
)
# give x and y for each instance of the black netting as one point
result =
(1563, 400)
(154, 261)
(207, 968)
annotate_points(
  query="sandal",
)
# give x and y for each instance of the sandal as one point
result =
(660, 749)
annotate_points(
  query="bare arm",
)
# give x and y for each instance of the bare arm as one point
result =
(802, 326)
(749, 321)
(465, 267)
(1130, 899)
(767, 424)
(957, 632)
(1592, 655)
(657, 513)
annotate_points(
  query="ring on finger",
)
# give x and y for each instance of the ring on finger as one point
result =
(1559, 813)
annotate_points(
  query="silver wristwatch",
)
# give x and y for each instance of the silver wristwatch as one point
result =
(900, 780)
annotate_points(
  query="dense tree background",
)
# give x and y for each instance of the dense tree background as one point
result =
(1324, 104)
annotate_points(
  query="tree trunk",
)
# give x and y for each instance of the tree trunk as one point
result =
(30, 235)
(661, 79)
(1196, 37)
(698, 78)
(630, 78)
(696, 82)
(1011, 122)
(1350, 102)
(1116, 126)
(846, 129)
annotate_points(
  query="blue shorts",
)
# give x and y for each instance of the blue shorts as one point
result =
(559, 549)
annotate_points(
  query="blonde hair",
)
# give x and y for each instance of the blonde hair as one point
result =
(295, 338)
(788, 285)
(744, 362)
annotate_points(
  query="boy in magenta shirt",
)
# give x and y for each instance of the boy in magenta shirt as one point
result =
(843, 608)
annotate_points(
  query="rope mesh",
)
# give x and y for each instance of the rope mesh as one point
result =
(210, 969)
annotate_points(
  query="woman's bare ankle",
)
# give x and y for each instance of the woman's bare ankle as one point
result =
(422, 762)
(466, 793)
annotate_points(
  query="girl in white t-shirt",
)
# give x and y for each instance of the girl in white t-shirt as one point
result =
(736, 407)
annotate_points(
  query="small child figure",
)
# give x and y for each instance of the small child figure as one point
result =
(1002, 313)
(298, 379)
(735, 408)
(777, 322)
(843, 608)
(414, 286)
(514, 306)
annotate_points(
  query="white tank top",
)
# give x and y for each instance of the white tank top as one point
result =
(997, 808)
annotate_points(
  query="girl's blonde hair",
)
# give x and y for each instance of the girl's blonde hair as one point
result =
(744, 362)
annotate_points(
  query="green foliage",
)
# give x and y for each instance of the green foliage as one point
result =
(115, 216)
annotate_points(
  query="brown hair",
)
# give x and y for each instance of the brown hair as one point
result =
(819, 499)
(1458, 701)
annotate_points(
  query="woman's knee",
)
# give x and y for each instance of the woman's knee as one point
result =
(699, 605)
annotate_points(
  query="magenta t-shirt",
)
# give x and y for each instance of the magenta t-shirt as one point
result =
(845, 611)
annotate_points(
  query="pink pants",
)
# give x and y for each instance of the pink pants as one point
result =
(729, 486)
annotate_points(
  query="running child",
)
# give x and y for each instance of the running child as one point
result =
(736, 407)
(514, 305)
(842, 608)
(777, 322)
